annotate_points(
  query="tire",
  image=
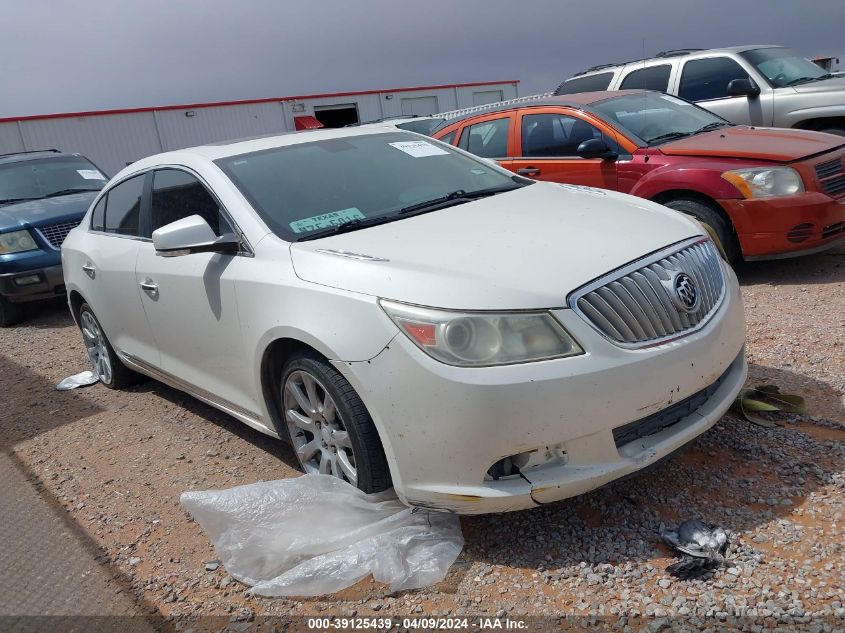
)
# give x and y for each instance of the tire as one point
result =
(102, 354)
(720, 230)
(330, 439)
(10, 313)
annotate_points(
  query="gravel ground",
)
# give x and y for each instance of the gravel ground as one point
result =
(117, 462)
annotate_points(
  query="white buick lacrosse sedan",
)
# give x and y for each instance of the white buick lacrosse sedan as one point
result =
(407, 314)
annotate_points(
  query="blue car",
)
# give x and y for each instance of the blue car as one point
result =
(43, 195)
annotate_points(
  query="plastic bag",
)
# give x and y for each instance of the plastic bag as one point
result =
(317, 534)
(82, 379)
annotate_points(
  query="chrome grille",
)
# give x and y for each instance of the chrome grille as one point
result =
(634, 306)
(831, 177)
(56, 233)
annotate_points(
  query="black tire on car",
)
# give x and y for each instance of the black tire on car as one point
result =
(717, 226)
(328, 418)
(10, 313)
(101, 352)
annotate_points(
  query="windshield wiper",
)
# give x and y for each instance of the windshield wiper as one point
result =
(668, 136)
(715, 125)
(455, 197)
(11, 200)
(67, 192)
(346, 227)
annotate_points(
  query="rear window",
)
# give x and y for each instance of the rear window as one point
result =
(422, 126)
(123, 207)
(588, 83)
(651, 78)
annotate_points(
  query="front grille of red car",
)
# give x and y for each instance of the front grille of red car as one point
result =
(831, 175)
(833, 229)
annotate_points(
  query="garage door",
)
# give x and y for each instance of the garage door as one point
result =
(484, 97)
(421, 106)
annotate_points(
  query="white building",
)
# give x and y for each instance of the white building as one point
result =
(113, 138)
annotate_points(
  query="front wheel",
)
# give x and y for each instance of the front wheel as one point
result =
(10, 313)
(329, 427)
(719, 229)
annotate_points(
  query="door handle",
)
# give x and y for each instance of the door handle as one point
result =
(89, 269)
(528, 171)
(150, 287)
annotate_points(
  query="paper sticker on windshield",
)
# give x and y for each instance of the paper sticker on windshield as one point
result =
(418, 149)
(90, 174)
(326, 220)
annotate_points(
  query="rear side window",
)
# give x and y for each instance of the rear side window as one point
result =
(450, 137)
(123, 207)
(177, 194)
(488, 139)
(589, 83)
(704, 79)
(99, 215)
(651, 78)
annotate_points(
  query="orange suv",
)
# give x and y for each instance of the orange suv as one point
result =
(761, 192)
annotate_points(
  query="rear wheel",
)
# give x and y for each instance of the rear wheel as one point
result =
(329, 426)
(10, 313)
(719, 229)
(104, 362)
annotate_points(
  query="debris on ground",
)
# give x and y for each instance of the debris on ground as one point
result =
(767, 399)
(82, 379)
(703, 547)
(316, 534)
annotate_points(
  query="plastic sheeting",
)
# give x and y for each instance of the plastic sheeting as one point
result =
(82, 379)
(316, 535)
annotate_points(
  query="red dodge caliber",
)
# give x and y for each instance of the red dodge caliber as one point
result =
(761, 192)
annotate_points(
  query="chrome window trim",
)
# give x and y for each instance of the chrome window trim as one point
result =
(575, 295)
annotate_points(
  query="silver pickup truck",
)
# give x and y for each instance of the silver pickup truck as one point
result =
(768, 86)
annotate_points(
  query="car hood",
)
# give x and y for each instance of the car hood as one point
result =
(834, 85)
(46, 210)
(518, 250)
(759, 143)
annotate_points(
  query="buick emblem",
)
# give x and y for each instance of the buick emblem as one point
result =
(685, 293)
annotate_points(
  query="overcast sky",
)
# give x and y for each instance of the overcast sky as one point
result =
(76, 55)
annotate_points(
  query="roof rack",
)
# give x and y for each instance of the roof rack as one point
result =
(675, 52)
(454, 114)
(31, 151)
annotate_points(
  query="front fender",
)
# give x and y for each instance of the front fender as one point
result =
(705, 178)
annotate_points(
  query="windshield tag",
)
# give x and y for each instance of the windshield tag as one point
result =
(419, 149)
(326, 220)
(90, 174)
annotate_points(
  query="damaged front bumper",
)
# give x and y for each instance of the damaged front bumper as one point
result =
(583, 421)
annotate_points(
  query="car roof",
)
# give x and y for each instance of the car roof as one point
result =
(578, 100)
(681, 52)
(18, 157)
(235, 147)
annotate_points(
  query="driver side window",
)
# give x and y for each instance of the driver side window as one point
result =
(177, 194)
(556, 135)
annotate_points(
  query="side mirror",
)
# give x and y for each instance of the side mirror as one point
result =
(596, 148)
(192, 235)
(743, 88)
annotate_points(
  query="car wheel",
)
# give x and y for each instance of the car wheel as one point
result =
(719, 229)
(106, 365)
(329, 426)
(10, 313)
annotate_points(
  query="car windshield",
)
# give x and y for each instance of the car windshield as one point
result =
(657, 118)
(784, 67)
(46, 177)
(304, 189)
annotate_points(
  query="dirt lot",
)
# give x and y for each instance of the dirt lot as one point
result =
(117, 462)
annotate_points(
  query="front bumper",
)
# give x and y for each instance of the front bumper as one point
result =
(22, 286)
(443, 427)
(770, 228)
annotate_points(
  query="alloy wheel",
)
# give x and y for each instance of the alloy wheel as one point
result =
(95, 344)
(319, 435)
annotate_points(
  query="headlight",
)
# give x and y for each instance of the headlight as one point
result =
(765, 182)
(482, 339)
(16, 242)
